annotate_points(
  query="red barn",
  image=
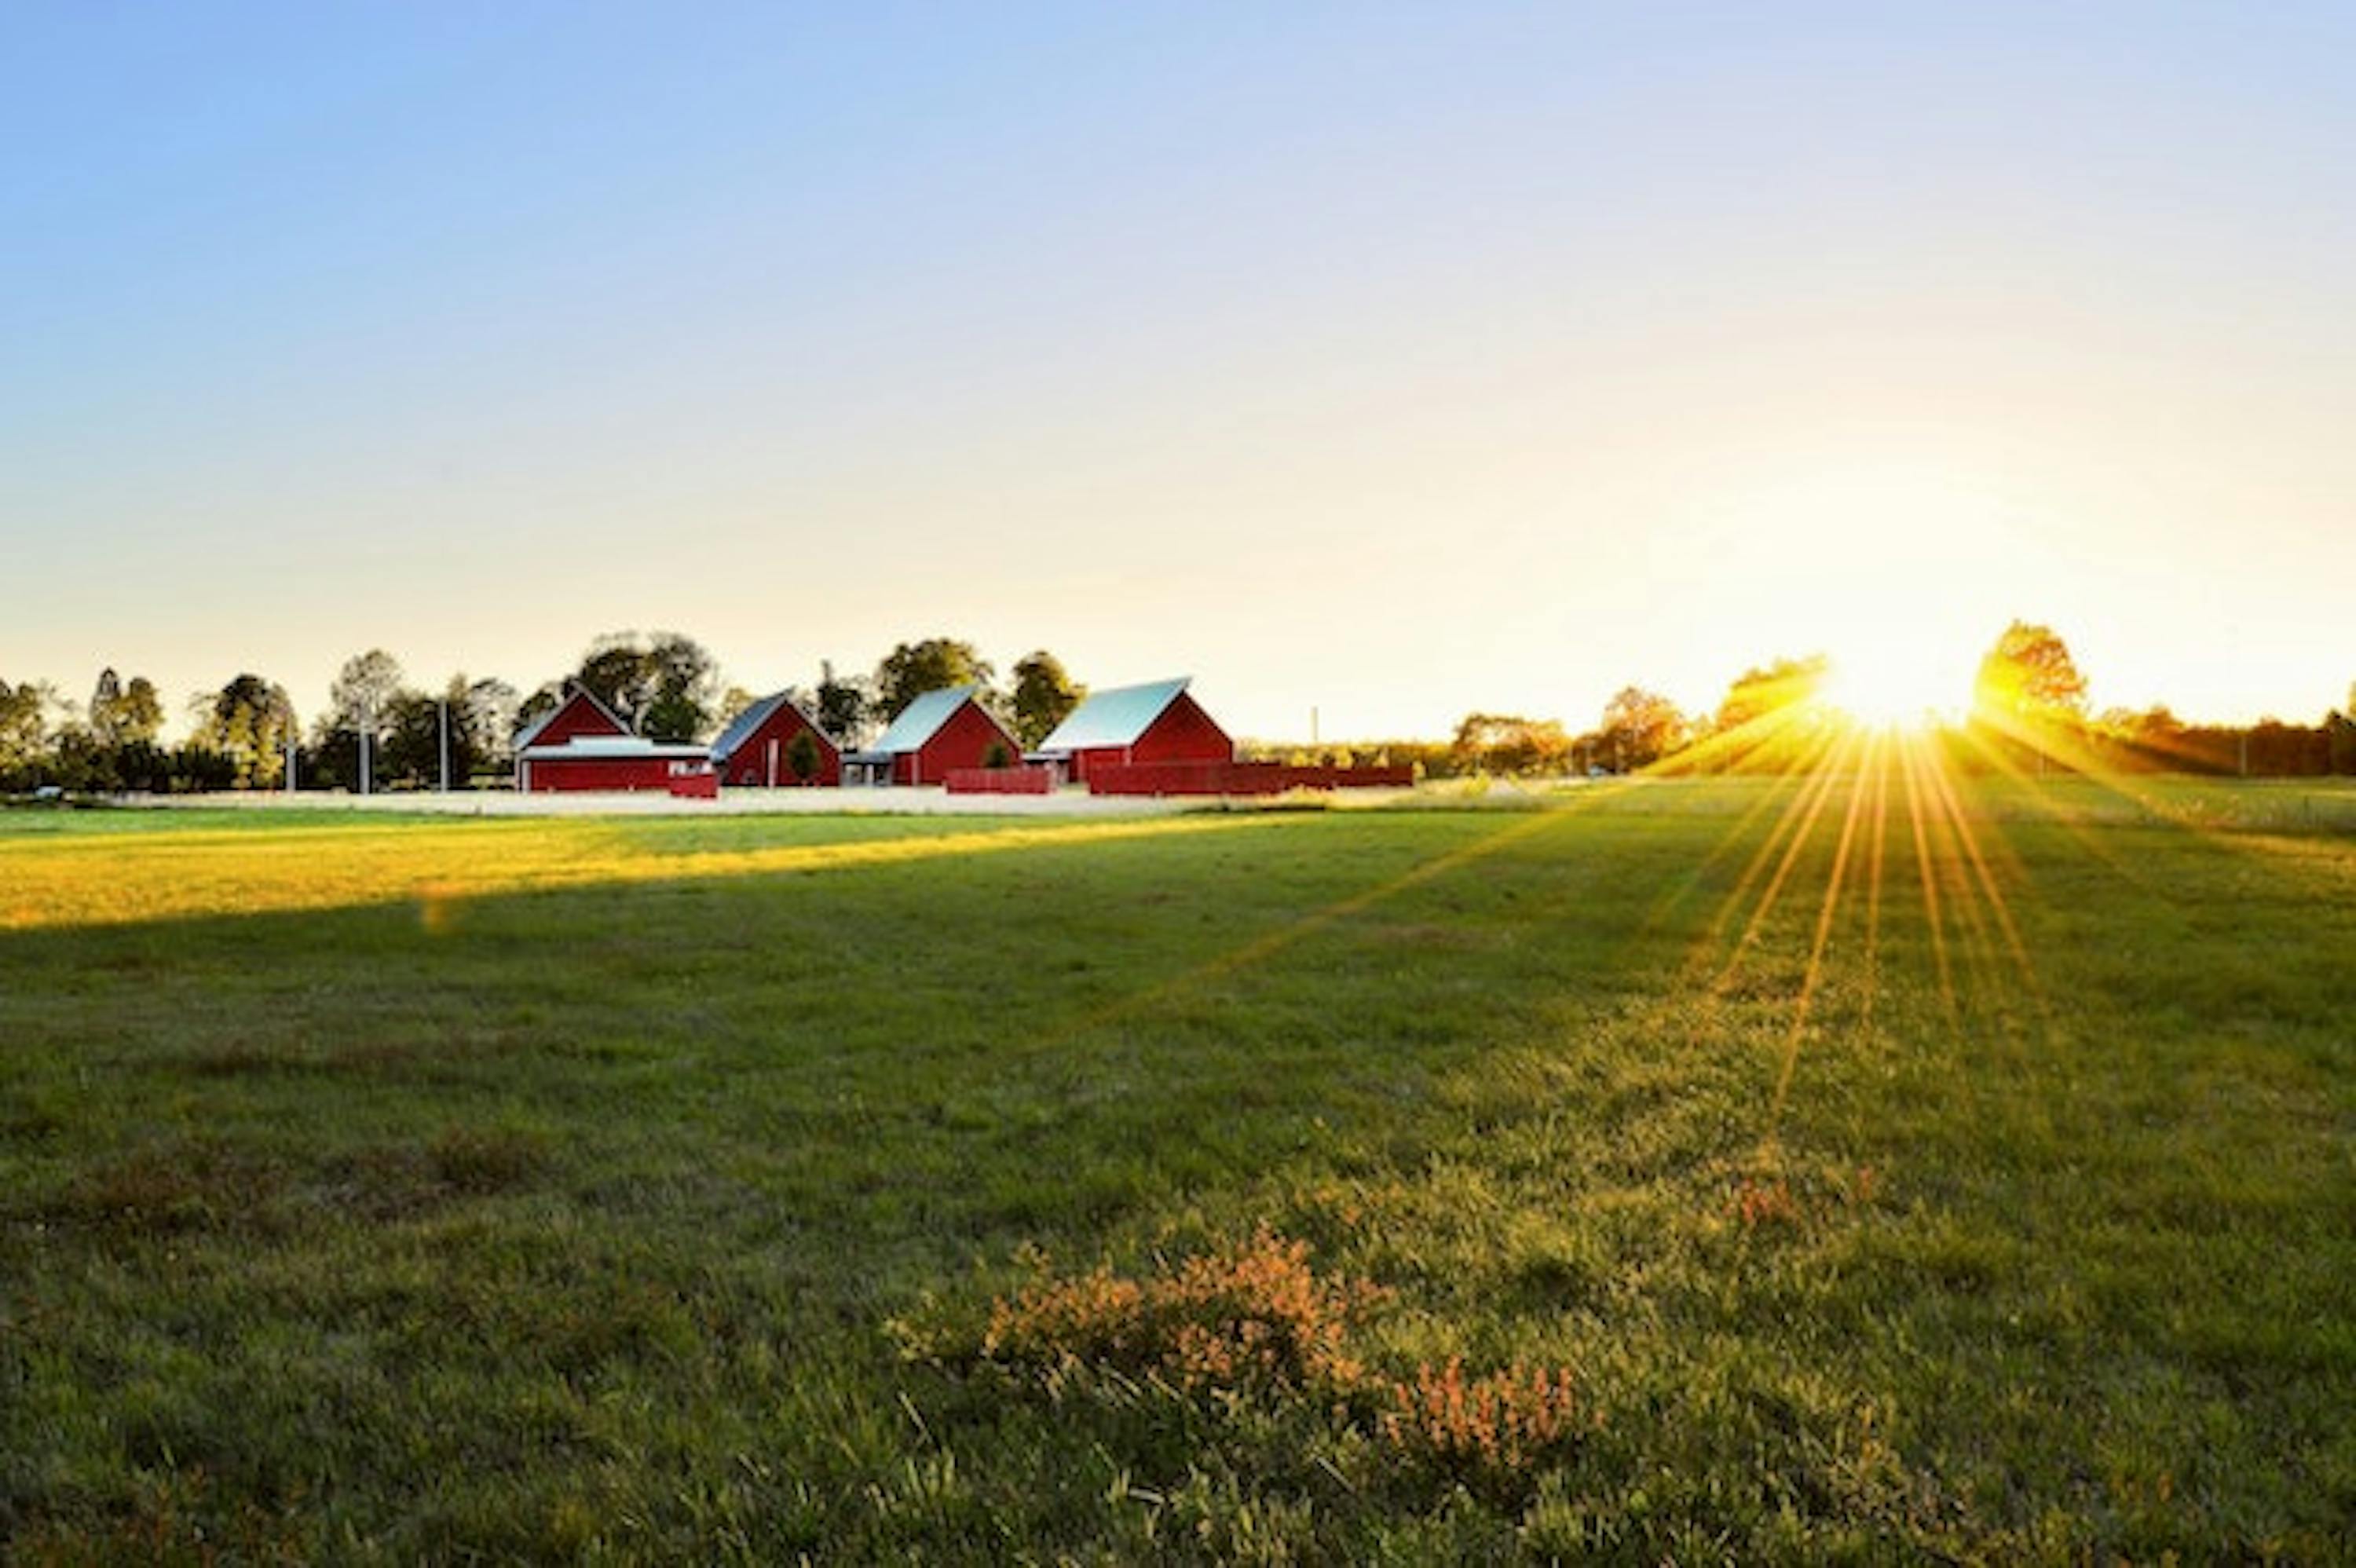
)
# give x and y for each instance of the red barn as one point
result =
(609, 762)
(579, 714)
(1156, 722)
(582, 745)
(758, 748)
(938, 731)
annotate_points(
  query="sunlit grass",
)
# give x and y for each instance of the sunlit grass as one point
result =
(103, 877)
(1868, 1161)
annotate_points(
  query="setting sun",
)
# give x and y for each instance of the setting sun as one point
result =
(1896, 685)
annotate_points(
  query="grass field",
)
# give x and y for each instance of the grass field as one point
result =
(1870, 1167)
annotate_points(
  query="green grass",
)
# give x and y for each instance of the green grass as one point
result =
(641, 1190)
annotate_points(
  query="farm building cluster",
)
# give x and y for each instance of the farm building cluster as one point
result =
(1153, 739)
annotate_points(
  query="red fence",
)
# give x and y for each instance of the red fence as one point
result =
(695, 786)
(999, 781)
(1238, 778)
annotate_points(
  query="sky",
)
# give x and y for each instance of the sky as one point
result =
(1381, 362)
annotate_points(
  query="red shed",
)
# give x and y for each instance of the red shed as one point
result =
(757, 747)
(938, 731)
(1156, 722)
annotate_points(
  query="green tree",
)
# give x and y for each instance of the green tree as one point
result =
(363, 690)
(1509, 743)
(24, 731)
(911, 669)
(2029, 675)
(1639, 729)
(1044, 696)
(122, 713)
(665, 686)
(842, 706)
(803, 759)
(249, 722)
(486, 710)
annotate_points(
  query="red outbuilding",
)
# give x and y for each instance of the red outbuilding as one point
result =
(938, 731)
(762, 747)
(1128, 725)
(579, 714)
(583, 745)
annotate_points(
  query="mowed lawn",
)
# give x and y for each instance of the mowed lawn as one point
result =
(1873, 1165)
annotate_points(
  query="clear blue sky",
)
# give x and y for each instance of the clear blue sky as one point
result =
(1393, 360)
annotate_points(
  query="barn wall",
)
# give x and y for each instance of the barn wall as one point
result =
(578, 715)
(1182, 734)
(601, 773)
(749, 765)
(962, 743)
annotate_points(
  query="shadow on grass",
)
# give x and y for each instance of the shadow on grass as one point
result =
(572, 1221)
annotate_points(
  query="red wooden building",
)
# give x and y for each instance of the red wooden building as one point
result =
(758, 748)
(583, 745)
(939, 732)
(1128, 725)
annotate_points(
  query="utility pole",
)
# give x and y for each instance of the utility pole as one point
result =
(445, 706)
(368, 723)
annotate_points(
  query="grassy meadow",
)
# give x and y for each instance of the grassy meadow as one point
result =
(1878, 1166)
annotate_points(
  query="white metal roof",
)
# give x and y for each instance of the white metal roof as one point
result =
(1114, 718)
(922, 720)
(609, 748)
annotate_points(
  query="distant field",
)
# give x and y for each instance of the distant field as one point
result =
(1872, 1166)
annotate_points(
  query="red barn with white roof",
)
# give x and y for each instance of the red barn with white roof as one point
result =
(939, 732)
(1127, 725)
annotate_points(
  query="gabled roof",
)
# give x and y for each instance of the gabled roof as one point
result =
(745, 724)
(531, 732)
(922, 720)
(1115, 717)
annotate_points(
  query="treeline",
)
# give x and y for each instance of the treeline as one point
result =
(380, 727)
(2027, 714)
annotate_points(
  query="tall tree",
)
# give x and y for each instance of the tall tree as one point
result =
(137, 715)
(666, 687)
(491, 706)
(1045, 694)
(23, 730)
(251, 722)
(842, 706)
(1640, 728)
(911, 669)
(102, 698)
(363, 690)
(2029, 673)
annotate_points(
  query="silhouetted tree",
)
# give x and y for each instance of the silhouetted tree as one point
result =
(666, 687)
(842, 706)
(1044, 696)
(911, 669)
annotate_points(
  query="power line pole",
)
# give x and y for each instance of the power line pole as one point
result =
(445, 706)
